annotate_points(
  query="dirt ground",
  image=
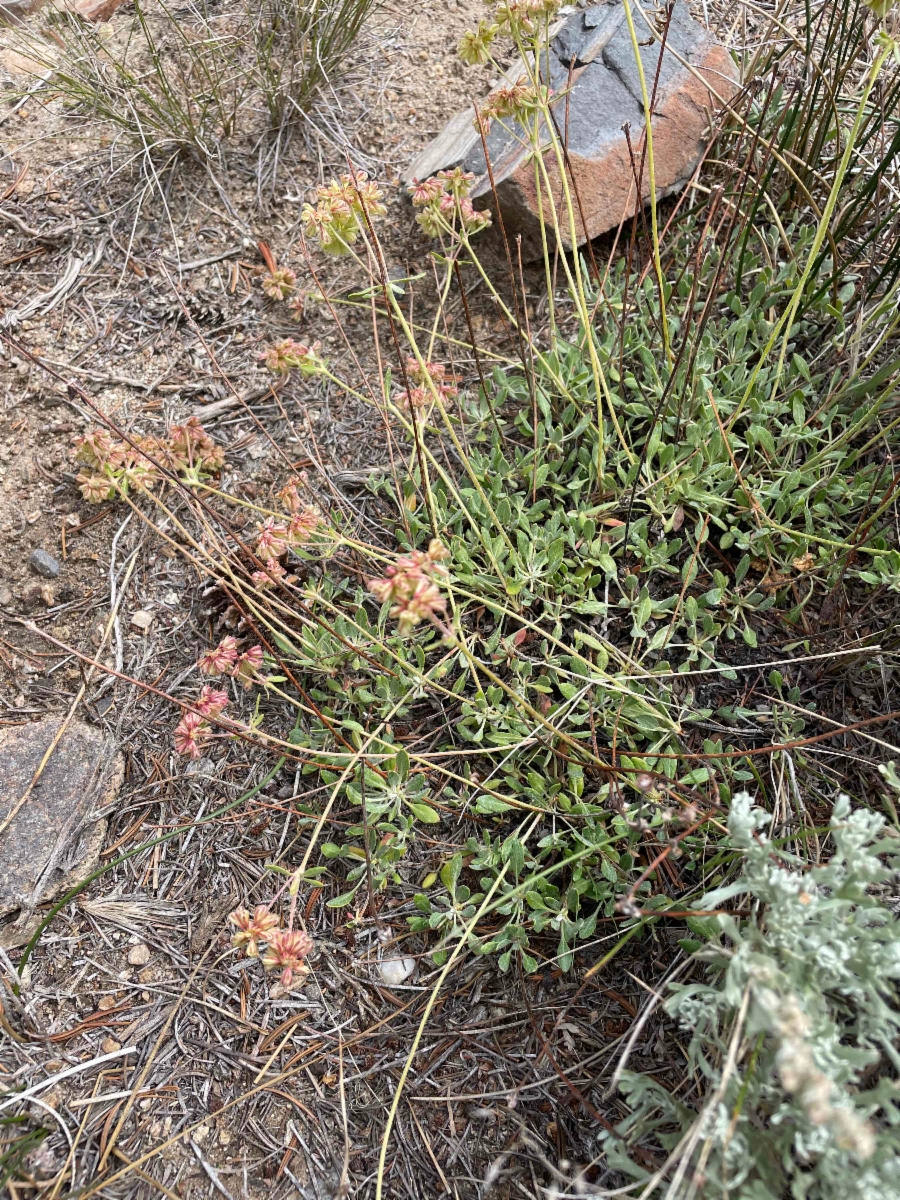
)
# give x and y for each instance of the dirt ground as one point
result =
(156, 313)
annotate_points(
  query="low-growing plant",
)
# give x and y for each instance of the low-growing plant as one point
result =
(786, 1035)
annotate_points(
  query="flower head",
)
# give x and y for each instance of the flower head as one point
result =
(95, 488)
(474, 47)
(280, 283)
(423, 191)
(251, 930)
(272, 538)
(444, 204)
(247, 666)
(408, 586)
(272, 573)
(190, 448)
(289, 496)
(429, 379)
(302, 526)
(342, 210)
(287, 355)
(285, 952)
(191, 734)
(211, 702)
(221, 659)
(517, 100)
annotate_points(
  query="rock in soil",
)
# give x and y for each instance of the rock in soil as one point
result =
(139, 956)
(52, 826)
(44, 564)
(592, 68)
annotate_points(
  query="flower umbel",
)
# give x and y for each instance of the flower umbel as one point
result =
(444, 204)
(408, 586)
(280, 284)
(342, 210)
(434, 374)
(246, 668)
(251, 930)
(191, 734)
(287, 355)
(221, 659)
(285, 952)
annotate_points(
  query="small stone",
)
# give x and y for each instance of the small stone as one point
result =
(105, 1003)
(44, 564)
(396, 970)
(142, 620)
(110, 1045)
(54, 809)
(5, 597)
(139, 956)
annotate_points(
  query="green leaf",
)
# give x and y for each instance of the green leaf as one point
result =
(424, 812)
(488, 804)
(450, 872)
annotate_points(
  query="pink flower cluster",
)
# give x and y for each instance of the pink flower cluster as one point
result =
(282, 949)
(225, 659)
(341, 212)
(274, 537)
(409, 586)
(287, 355)
(444, 205)
(114, 465)
(193, 732)
(420, 395)
(517, 100)
(279, 284)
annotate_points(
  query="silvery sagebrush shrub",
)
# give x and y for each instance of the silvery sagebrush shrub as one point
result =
(792, 1035)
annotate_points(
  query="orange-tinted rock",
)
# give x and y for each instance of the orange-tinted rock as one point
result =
(592, 59)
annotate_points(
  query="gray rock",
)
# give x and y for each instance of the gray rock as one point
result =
(44, 564)
(591, 66)
(51, 839)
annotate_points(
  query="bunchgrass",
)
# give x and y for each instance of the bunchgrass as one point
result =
(192, 82)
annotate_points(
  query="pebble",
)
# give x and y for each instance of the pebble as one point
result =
(396, 970)
(110, 1045)
(44, 564)
(142, 620)
(139, 956)
(5, 597)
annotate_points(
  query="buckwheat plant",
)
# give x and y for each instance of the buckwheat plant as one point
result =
(444, 204)
(288, 355)
(259, 935)
(430, 381)
(799, 1005)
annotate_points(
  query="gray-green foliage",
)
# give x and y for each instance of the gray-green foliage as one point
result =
(792, 1034)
